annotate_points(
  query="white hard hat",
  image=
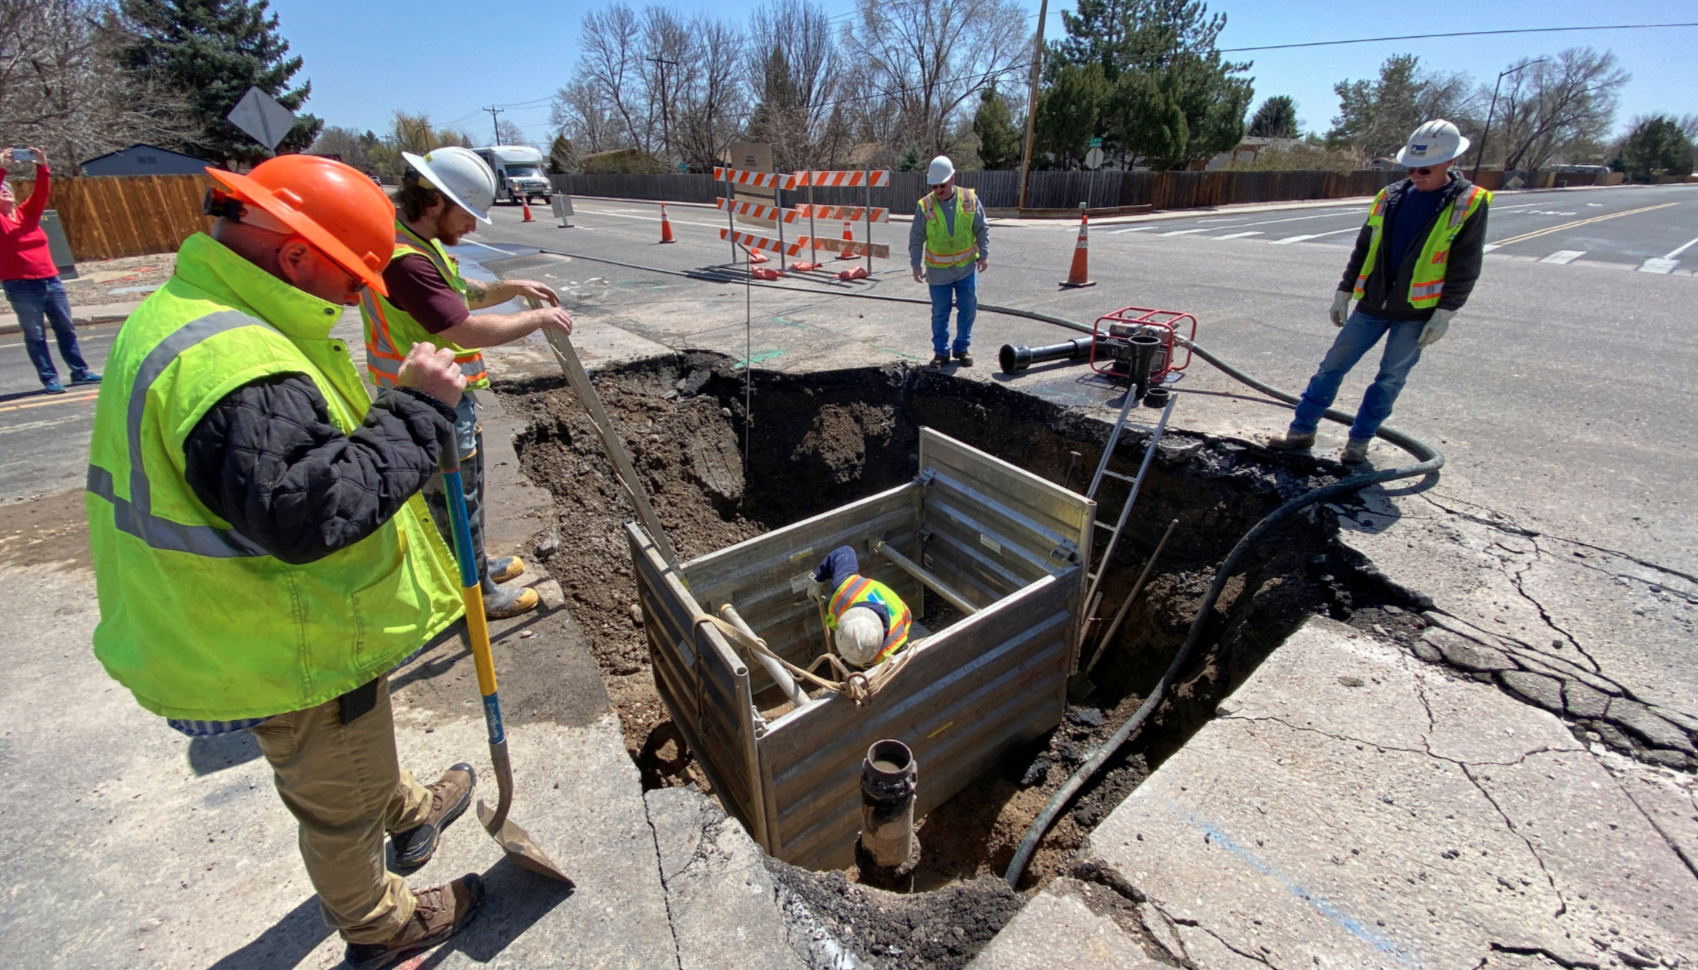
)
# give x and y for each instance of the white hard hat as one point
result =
(1434, 142)
(459, 174)
(940, 171)
(860, 634)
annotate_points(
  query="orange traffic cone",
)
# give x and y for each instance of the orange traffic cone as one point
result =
(526, 203)
(848, 250)
(1081, 252)
(665, 226)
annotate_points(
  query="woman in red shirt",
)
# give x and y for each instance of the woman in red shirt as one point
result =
(32, 282)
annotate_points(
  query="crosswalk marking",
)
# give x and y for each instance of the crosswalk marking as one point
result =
(1661, 265)
(1313, 235)
(1563, 257)
(1183, 232)
(1289, 239)
(1241, 235)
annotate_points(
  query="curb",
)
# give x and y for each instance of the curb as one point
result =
(9, 323)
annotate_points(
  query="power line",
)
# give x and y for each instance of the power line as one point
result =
(1444, 36)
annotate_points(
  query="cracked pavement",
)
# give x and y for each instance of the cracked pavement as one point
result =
(1403, 815)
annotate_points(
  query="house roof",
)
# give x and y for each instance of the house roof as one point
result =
(139, 144)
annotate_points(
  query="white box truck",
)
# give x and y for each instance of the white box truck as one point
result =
(520, 172)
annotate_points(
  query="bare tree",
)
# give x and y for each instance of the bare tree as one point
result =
(612, 64)
(665, 57)
(1568, 100)
(508, 133)
(712, 97)
(796, 64)
(931, 57)
(587, 117)
(62, 89)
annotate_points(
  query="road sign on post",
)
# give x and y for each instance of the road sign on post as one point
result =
(262, 117)
(1094, 158)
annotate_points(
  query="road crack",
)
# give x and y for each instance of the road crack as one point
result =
(1562, 900)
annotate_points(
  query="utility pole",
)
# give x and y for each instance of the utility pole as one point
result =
(494, 124)
(665, 105)
(1480, 156)
(1032, 101)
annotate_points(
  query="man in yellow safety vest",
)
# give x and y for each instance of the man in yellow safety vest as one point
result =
(870, 621)
(261, 553)
(950, 236)
(443, 197)
(1415, 262)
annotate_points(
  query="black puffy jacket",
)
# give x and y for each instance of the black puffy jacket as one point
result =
(268, 460)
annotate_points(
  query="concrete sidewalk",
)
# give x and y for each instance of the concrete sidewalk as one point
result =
(82, 316)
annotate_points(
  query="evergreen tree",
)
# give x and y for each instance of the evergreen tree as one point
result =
(911, 161)
(1656, 146)
(562, 156)
(1276, 118)
(212, 51)
(1166, 96)
(999, 139)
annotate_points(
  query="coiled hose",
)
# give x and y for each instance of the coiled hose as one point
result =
(1428, 460)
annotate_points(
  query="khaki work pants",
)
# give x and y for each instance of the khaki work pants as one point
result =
(344, 786)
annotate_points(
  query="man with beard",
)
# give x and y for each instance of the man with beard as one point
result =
(443, 197)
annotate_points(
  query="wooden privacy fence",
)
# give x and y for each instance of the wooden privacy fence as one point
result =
(1046, 190)
(132, 215)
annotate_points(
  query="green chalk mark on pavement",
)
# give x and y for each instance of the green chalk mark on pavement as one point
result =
(899, 353)
(766, 355)
(789, 323)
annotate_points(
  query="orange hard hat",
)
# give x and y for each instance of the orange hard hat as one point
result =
(341, 212)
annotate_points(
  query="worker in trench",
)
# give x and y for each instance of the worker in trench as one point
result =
(262, 556)
(869, 621)
(444, 195)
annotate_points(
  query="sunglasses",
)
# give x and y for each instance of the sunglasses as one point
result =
(1420, 171)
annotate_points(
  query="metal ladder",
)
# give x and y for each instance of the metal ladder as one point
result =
(1114, 531)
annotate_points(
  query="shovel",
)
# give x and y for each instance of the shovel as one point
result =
(514, 840)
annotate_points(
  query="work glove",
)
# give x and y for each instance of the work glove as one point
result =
(1340, 311)
(1435, 328)
(817, 590)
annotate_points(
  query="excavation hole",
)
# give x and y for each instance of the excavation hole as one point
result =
(823, 440)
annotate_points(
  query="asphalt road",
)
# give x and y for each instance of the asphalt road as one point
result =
(46, 435)
(1651, 228)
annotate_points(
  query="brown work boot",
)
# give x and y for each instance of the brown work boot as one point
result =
(1293, 441)
(449, 797)
(438, 913)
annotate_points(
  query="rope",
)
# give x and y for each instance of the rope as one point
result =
(859, 686)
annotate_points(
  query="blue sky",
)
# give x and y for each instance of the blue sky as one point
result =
(366, 59)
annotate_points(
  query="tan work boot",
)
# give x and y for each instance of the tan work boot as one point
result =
(1355, 451)
(506, 568)
(1292, 441)
(449, 797)
(501, 602)
(438, 913)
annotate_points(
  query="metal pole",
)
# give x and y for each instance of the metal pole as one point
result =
(919, 572)
(778, 216)
(869, 172)
(1032, 101)
(1480, 156)
(1090, 187)
(731, 214)
(813, 236)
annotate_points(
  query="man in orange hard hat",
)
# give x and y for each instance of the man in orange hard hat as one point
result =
(261, 552)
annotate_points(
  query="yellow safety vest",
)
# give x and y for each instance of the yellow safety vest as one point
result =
(944, 248)
(196, 619)
(858, 590)
(1427, 285)
(391, 331)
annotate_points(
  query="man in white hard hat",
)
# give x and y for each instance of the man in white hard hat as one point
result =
(870, 621)
(950, 236)
(1415, 263)
(444, 195)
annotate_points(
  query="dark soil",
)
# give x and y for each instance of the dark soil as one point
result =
(822, 440)
(940, 930)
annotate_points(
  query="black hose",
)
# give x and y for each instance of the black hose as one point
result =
(1428, 461)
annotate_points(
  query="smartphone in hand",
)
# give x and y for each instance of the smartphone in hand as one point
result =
(22, 155)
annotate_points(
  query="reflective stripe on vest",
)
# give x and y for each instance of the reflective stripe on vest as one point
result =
(943, 248)
(383, 353)
(1427, 283)
(135, 515)
(854, 591)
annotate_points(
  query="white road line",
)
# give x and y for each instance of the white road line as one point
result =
(1563, 257)
(1664, 266)
(1241, 235)
(487, 246)
(1324, 215)
(1121, 232)
(1317, 235)
(1183, 232)
(1489, 247)
(1681, 249)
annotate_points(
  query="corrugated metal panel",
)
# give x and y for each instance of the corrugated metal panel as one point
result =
(762, 577)
(702, 682)
(992, 681)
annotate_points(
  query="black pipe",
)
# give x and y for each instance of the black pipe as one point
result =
(1144, 347)
(1016, 359)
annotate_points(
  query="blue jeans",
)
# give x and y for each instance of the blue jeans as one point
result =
(38, 302)
(1358, 336)
(964, 293)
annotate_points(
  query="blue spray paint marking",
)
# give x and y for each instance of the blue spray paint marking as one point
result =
(492, 717)
(1331, 911)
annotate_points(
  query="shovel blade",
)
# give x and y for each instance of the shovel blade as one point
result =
(519, 846)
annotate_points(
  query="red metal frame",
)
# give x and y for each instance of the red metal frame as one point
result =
(1166, 323)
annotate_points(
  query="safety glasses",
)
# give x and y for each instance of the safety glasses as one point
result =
(1420, 171)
